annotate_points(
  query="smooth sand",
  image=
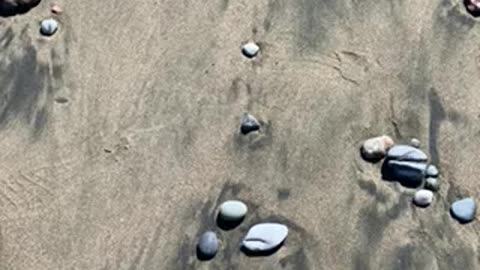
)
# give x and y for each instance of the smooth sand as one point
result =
(120, 134)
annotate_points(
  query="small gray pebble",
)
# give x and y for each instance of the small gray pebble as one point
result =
(432, 171)
(464, 210)
(432, 184)
(265, 237)
(250, 49)
(208, 244)
(415, 143)
(406, 153)
(48, 27)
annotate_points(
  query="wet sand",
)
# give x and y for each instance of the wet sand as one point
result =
(120, 135)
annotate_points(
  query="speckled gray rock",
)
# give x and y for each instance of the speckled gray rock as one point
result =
(48, 27)
(208, 244)
(432, 184)
(265, 237)
(233, 210)
(408, 173)
(423, 198)
(464, 210)
(406, 153)
(432, 171)
(250, 49)
(374, 149)
(249, 124)
(415, 142)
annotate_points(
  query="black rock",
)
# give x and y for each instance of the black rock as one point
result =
(409, 174)
(249, 124)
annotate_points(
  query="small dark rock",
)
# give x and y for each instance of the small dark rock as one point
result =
(249, 124)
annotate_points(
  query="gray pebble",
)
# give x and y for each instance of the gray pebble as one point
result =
(408, 173)
(423, 198)
(233, 210)
(265, 237)
(406, 153)
(250, 49)
(249, 124)
(464, 210)
(415, 143)
(48, 27)
(432, 184)
(208, 244)
(432, 171)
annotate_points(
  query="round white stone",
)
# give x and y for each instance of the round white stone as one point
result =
(423, 197)
(233, 210)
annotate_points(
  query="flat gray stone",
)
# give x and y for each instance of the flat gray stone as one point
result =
(208, 244)
(233, 210)
(432, 184)
(432, 171)
(423, 198)
(406, 153)
(265, 237)
(410, 174)
(48, 27)
(250, 49)
(249, 124)
(464, 210)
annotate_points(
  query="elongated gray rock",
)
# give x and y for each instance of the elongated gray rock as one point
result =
(374, 149)
(464, 210)
(265, 237)
(249, 124)
(48, 27)
(208, 244)
(423, 198)
(233, 210)
(408, 173)
(250, 49)
(406, 153)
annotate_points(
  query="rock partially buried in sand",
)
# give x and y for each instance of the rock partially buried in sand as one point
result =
(233, 210)
(432, 184)
(410, 174)
(406, 153)
(464, 210)
(374, 149)
(207, 245)
(249, 124)
(265, 237)
(48, 27)
(56, 9)
(415, 142)
(432, 171)
(423, 198)
(250, 49)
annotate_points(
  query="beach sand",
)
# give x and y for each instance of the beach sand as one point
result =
(120, 134)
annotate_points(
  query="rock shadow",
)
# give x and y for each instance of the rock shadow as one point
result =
(228, 225)
(202, 256)
(264, 253)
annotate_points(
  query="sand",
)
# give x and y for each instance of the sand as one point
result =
(120, 134)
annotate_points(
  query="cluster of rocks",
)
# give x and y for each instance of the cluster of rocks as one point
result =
(260, 238)
(408, 165)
